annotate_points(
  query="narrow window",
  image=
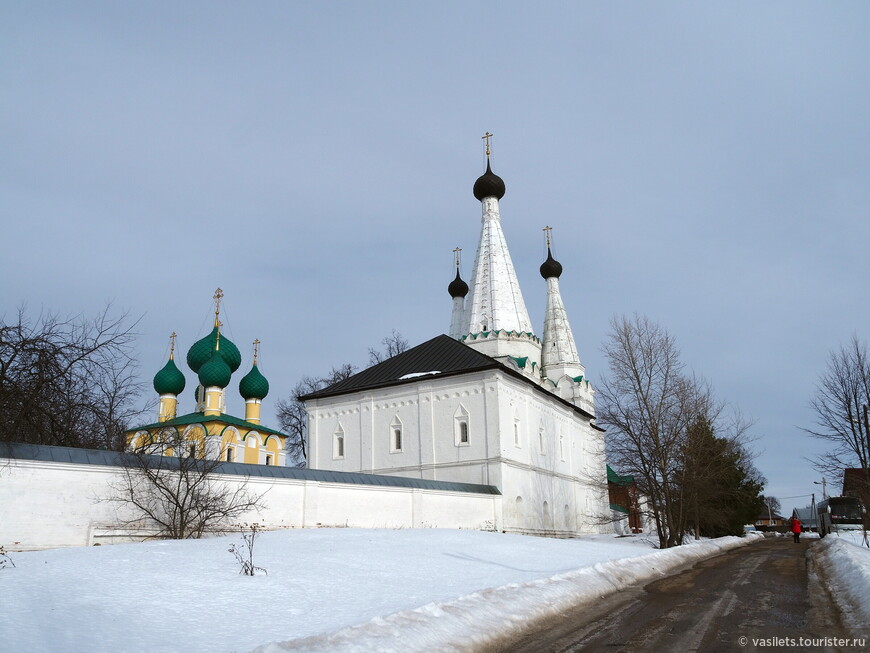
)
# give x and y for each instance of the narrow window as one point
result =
(268, 459)
(461, 437)
(192, 451)
(541, 441)
(230, 453)
(396, 435)
(516, 433)
(338, 443)
(562, 446)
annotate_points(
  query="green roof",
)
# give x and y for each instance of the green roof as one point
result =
(616, 479)
(200, 418)
(215, 372)
(201, 351)
(169, 380)
(254, 385)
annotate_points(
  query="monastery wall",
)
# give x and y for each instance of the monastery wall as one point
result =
(46, 504)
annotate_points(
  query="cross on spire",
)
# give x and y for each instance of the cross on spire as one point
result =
(218, 294)
(172, 337)
(256, 349)
(486, 137)
(456, 255)
(548, 229)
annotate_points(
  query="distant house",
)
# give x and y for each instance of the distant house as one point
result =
(768, 520)
(856, 482)
(623, 495)
(807, 518)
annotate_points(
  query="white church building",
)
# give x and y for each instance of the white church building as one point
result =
(488, 427)
(491, 403)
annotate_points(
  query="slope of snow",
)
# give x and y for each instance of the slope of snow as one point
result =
(490, 615)
(347, 589)
(844, 564)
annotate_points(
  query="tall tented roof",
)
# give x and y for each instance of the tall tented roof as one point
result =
(495, 302)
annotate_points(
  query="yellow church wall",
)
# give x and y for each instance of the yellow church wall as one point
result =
(252, 448)
(249, 447)
(230, 440)
(273, 446)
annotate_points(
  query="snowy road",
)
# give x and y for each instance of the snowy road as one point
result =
(727, 603)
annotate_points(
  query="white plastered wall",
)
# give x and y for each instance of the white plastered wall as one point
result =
(568, 472)
(50, 504)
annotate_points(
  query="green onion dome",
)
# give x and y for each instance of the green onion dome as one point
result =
(202, 350)
(169, 380)
(215, 371)
(254, 385)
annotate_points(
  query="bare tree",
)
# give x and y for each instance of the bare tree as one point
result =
(772, 505)
(660, 429)
(393, 344)
(68, 382)
(840, 404)
(169, 485)
(291, 412)
(292, 415)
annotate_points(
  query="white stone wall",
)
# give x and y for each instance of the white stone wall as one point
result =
(427, 412)
(48, 504)
(558, 459)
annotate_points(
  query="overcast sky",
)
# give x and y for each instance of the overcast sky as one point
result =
(703, 164)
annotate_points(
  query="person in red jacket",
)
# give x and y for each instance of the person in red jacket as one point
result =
(796, 529)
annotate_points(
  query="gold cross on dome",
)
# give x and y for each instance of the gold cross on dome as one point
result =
(486, 137)
(172, 345)
(456, 254)
(218, 294)
(548, 229)
(256, 349)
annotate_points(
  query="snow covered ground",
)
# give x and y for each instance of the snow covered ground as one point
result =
(844, 564)
(326, 589)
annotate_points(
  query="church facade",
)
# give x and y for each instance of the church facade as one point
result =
(491, 403)
(209, 431)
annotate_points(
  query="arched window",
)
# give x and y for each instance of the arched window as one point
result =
(460, 427)
(396, 435)
(517, 433)
(338, 443)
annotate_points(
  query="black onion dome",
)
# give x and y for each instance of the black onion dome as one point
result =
(489, 184)
(457, 287)
(551, 267)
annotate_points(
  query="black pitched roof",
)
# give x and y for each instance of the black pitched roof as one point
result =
(442, 354)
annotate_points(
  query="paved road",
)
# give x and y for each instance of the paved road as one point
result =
(761, 591)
